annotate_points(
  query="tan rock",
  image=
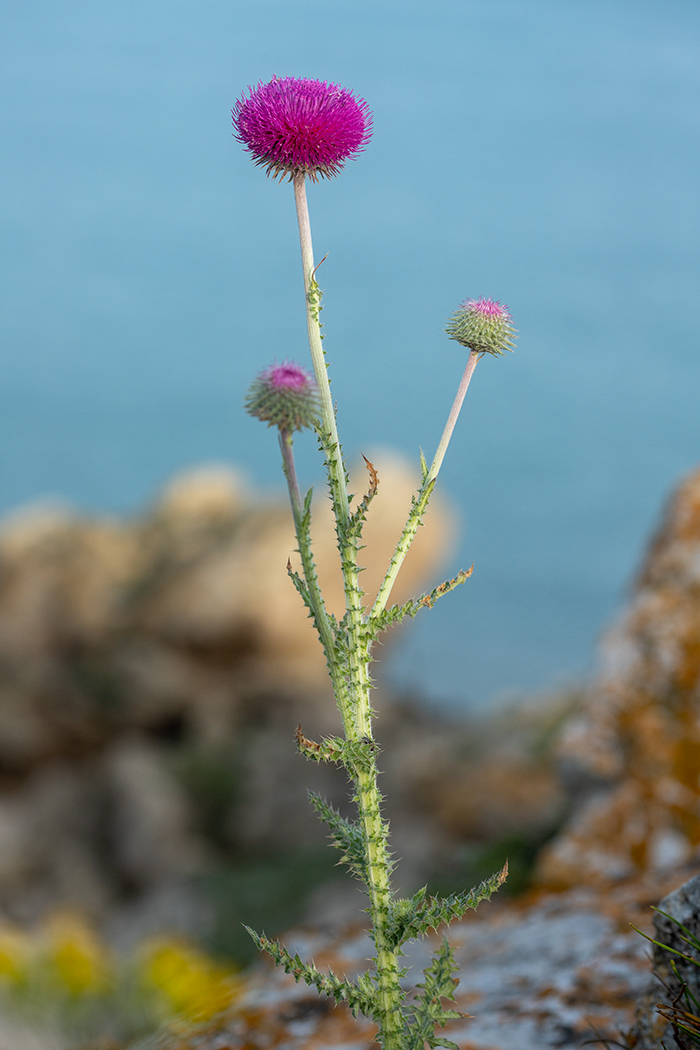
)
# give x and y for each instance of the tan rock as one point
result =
(641, 727)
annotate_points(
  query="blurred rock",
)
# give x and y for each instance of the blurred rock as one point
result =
(151, 827)
(638, 741)
(152, 673)
(499, 778)
(186, 613)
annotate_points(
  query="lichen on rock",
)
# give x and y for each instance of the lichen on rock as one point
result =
(639, 734)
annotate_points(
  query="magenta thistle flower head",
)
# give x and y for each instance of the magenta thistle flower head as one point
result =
(293, 126)
(482, 325)
(284, 396)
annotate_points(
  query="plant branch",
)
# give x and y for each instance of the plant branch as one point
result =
(420, 503)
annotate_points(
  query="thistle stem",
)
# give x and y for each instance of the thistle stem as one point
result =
(339, 489)
(358, 654)
(375, 833)
(421, 504)
(354, 675)
(290, 472)
(453, 416)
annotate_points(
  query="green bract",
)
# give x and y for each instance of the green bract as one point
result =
(482, 325)
(284, 396)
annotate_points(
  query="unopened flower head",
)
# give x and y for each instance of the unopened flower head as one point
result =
(294, 126)
(284, 396)
(482, 325)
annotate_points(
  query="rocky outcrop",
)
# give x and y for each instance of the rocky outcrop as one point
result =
(563, 966)
(674, 989)
(563, 971)
(638, 741)
(183, 615)
(152, 673)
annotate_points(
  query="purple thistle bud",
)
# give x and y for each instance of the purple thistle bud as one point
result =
(482, 325)
(284, 396)
(294, 126)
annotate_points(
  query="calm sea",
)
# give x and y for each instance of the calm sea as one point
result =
(543, 153)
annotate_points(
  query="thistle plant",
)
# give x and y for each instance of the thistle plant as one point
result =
(300, 130)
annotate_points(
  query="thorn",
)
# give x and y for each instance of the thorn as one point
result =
(289, 566)
(305, 745)
(313, 272)
(373, 476)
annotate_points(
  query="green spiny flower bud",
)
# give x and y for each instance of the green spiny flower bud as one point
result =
(482, 325)
(284, 396)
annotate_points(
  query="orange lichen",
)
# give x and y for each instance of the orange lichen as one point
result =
(646, 715)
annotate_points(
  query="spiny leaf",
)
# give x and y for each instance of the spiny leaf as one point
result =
(300, 587)
(429, 1011)
(419, 914)
(329, 750)
(395, 613)
(359, 516)
(361, 997)
(346, 834)
(357, 519)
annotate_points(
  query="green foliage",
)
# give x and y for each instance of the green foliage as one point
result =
(416, 916)
(347, 645)
(303, 585)
(428, 1010)
(331, 749)
(358, 518)
(423, 467)
(683, 1010)
(361, 996)
(346, 834)
(314, 298)
(396, 613)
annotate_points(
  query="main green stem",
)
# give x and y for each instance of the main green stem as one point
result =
(357, 714)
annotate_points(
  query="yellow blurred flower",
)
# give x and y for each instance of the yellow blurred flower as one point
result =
(15, 953)
(81, 962)
(193, 985)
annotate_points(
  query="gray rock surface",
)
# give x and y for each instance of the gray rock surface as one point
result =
(557, 972)
(671, 972)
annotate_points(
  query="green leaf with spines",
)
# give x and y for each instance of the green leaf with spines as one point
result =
(301, 588)
(315, 299)
(423, 467)
(361, 997)
(420, 913)
(328, 449)
(428, 1011)
(358, 518)
(330, 749)
(346, 834)
(396, 613)
(304, 539)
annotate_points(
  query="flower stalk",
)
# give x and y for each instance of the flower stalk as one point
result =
(312, 294)
(306, 129)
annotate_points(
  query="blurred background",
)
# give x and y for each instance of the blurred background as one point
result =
(152, 656)
(545, 155)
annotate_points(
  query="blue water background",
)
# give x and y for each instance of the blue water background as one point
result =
(543, 153)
